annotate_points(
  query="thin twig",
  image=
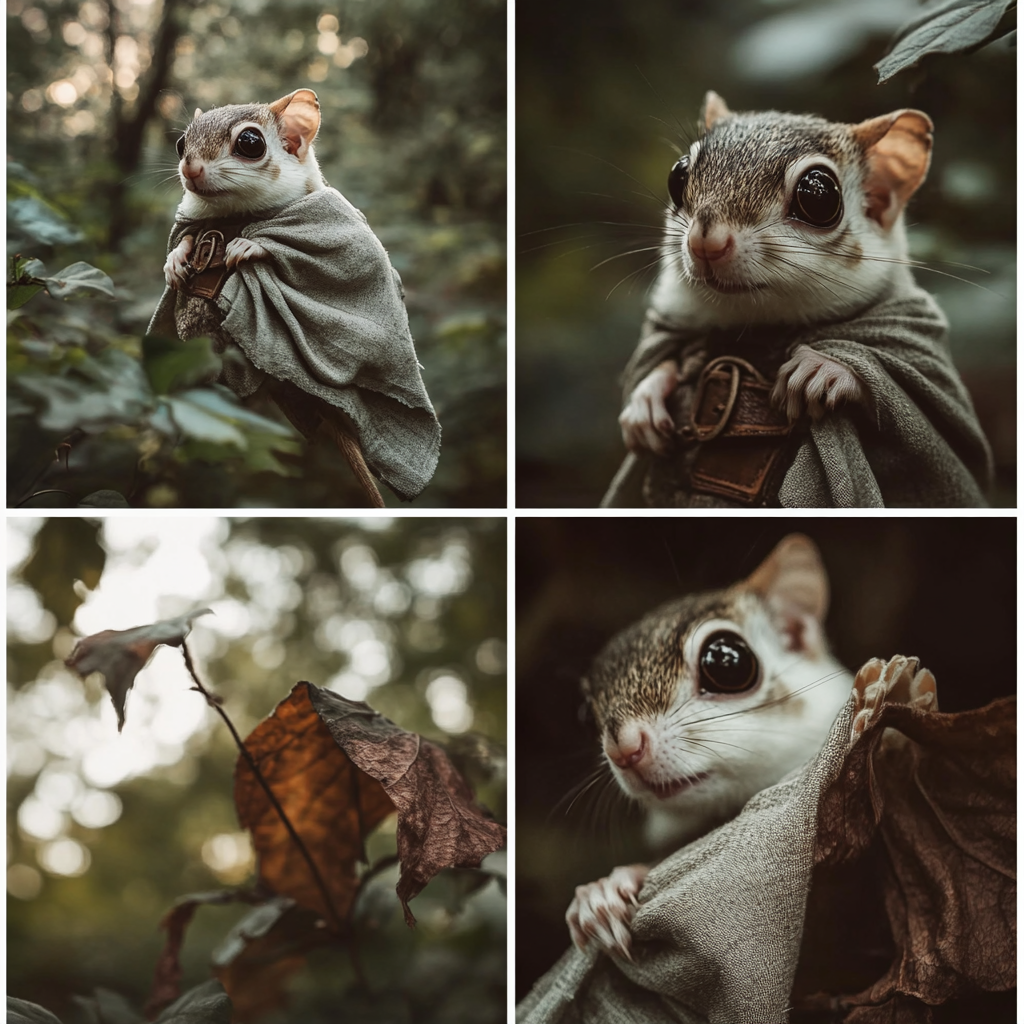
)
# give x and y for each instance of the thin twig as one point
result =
(215, 703)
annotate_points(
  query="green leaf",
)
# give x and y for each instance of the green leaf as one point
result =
(205, 1004)
(104, 499)
(94, 393)
(194, 421)
(21, 1012)
(79, 279)
(107, 1007)
(23, 280)
(19, 294)
(172, 364)
(40, 222)
(948, 26)
(222, 402)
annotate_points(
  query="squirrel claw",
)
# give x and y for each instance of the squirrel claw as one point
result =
(175, 272)
(816, 383)
(239, 250)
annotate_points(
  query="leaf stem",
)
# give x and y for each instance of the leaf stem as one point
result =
(216, 703)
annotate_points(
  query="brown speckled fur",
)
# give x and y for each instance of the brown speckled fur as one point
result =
(741, 167)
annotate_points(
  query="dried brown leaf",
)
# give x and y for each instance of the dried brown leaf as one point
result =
(440, 825)
(940, 791)
(338, 769)
(120, 654)
(331, 804)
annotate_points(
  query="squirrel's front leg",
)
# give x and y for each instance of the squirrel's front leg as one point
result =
(817, 383)
(177, 260)
(240, 249)
(602, 911)
(646, 422)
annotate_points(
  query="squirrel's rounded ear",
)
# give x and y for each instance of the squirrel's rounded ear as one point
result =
(792, 576)
(898, 147)
(299, 114)
(197, 114)
(714, 108)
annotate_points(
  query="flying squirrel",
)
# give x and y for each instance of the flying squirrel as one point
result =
(703, 703)
(323, 329)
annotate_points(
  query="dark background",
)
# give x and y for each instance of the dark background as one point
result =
(602, 105)
(414, 123)
(939, 589)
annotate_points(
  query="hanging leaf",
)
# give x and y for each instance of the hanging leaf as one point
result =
(120, 654)
(440, 825)
(339, 768)
(949, 26)
(331, 804)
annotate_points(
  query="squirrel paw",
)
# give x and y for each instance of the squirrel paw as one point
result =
(812, 381)
(645, 422)
(177, 259)
(241, 249)
(603, 910)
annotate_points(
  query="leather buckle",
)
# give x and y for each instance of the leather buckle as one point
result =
(735, 367)
(206, 270)
(207, 246)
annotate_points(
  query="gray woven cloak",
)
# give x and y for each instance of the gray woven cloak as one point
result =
(326, 312)
(919, 446)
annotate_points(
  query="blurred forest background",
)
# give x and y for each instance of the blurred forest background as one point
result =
(413, 98)
(943, 590)
(105, 831)
(601, 106)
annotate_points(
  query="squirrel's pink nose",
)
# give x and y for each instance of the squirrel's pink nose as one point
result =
(709, 244)
(627, 752)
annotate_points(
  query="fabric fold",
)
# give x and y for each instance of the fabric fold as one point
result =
(326, 313)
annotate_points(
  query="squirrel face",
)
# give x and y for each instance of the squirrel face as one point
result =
(710, 699)
(244, 158)
(788, 218)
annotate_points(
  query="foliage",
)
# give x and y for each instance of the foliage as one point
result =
(946, 26)
(417, 604)
(27, 278)
(413, 97)
(205, 1004)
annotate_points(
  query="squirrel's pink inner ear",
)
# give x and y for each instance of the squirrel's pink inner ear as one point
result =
(898, 149)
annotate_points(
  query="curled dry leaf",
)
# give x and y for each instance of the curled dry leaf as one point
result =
(339, 768)
(938, 792)
(440, 825)
(120, 654)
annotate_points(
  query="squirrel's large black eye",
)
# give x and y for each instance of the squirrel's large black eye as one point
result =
(250, 143)
(727, 664)
(180, 146)
(677, 179)
(818, 199)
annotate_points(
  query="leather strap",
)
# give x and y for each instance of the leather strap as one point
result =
(206, 270)
(742, 437)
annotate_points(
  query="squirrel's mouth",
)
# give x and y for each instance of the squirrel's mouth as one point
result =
(206, 192)
(730, 287)
(664, 790)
